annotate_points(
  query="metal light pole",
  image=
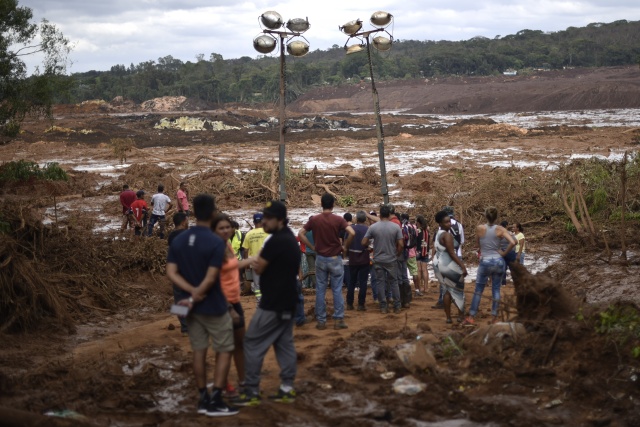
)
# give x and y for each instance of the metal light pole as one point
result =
(266, 43)
(380, 20)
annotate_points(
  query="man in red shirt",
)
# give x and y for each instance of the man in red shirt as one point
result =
(139, 209)
(182, 195)
(327, 230)
(126, 198)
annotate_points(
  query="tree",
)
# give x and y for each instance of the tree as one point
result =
(20, 38)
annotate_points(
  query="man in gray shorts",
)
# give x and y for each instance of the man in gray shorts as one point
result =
(194, 261)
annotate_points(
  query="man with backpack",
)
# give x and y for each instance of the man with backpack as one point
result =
(410, 236)
(458, 235)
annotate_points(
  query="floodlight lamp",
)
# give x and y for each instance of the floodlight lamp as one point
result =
(351, 27)
(298, 48)
(382, 43)
(298, 25)
(354, 48)
(381, 19)
(264, 44)
(272, 20)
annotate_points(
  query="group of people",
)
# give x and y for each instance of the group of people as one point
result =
(135, 211)
(204, 264)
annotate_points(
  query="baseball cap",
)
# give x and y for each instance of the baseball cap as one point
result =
(257, 217)
(275, 209)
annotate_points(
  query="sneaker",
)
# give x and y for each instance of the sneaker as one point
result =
(247, 399)
(220, 409)
(230, 391)
(203, 402)
(350, 307)
(284, 397)
(339, 324)
(419, 293)
(361, 308)
(321, 326)
(396, 310)
(469, 321)
(384, 310)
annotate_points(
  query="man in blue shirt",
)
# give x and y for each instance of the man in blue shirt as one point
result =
(193, 264)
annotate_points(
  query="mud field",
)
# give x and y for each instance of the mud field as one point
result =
(93, 335)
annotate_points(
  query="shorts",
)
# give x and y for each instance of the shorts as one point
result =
(412, 265)
(425, 259)
(238, 308)
(219, 328)
(127, 221)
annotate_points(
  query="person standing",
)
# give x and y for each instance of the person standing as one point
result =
(511, 255)
(345, 262)
(359, 264)
(457, 230)
(422, 252)
(139, 210)
(448, 267)
(161, 204)
(183, 199)
(491, 265)
(389, 244)
(327, 231)
(272, 324)
(410, 234)
(193, 264)
(251, 247)
(521, 242)
(180, 224)
(127, 197)
(310, 256)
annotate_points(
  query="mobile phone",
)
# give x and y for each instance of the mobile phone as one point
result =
(180, 310)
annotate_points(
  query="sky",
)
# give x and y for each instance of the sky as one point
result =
(111, 32)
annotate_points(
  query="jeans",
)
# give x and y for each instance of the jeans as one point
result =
(358, 275)
(387, 275)
(177, 296)
(511, 256)
(300, 317)
(488, 268)
(157, 218)
(311, 263)
(403, 282)
(521, 258)
(329, 268)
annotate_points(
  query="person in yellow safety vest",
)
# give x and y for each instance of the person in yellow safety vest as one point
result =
(236, 240)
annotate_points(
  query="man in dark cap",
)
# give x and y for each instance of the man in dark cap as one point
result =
(272, 324)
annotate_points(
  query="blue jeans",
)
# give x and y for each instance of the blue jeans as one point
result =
(300, 317)
(329, 268)
(489, 268)
(511, 256)
(159, 219)
(403, 282)
(521, 258)
(358, 275)
(387, 275)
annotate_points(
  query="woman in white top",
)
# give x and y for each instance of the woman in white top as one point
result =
(521, 242)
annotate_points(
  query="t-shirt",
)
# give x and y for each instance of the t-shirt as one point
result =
(174, 234)
(230, 279)
(137, 208)
(253, 241)
(310, 251)
(358, 254)
(182, 200)
(160, 202)
(327, 229)
(126, 198)
(519, 237)
(194, 251)
(386, 234)
(278, 282)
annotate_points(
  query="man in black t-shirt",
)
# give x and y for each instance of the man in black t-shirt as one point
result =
(272, 323)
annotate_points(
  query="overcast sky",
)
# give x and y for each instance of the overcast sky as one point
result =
(110, 32)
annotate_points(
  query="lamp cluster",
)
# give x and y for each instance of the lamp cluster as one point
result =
(272, 23)
(380, 20)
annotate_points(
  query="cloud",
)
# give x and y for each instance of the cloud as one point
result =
(110, 32)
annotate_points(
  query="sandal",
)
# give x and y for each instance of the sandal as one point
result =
(449, 321)
(469, 321)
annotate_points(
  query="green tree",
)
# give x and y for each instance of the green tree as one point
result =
(20, 38)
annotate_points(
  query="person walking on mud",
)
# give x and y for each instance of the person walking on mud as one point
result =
(127, 197)
(327, 230)
(193, 264)
(448, 267)
(272, 323)
(491, 265)
(389, 244)
(161, 204)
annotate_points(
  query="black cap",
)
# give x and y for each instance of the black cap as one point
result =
(275, 209)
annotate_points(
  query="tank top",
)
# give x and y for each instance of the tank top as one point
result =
(230, 278)
(490, 243)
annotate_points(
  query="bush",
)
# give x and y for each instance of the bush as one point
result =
(23, 170)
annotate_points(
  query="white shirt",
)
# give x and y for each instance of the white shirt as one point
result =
(160, 202)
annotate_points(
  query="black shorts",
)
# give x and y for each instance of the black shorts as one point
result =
(238, 308)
